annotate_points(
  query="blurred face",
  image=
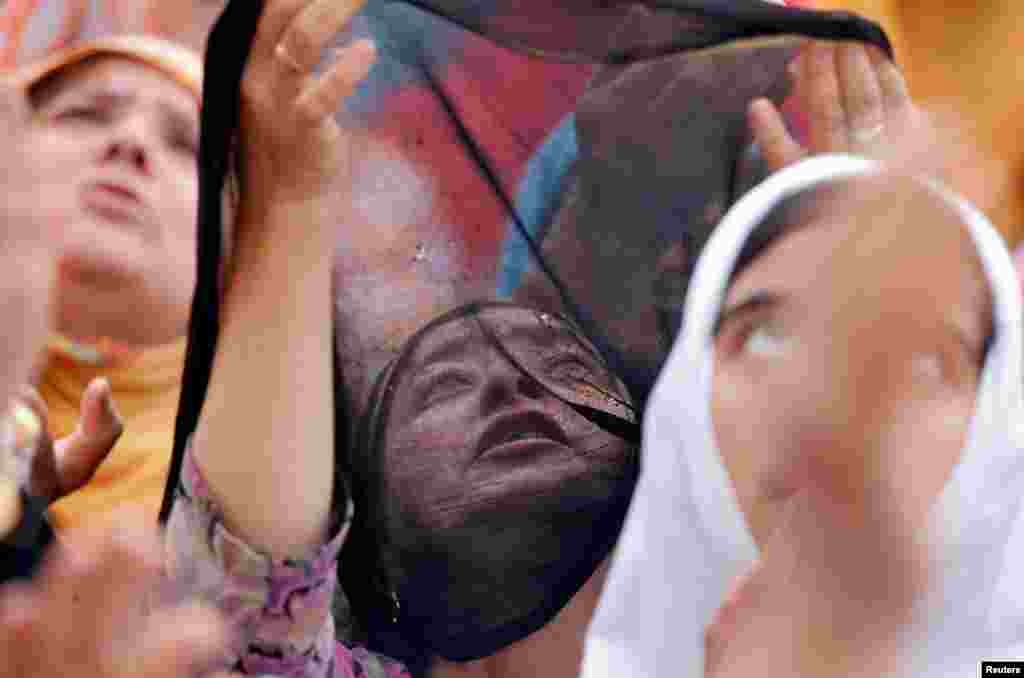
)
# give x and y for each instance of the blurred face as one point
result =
(468, 429)
(130, 134)
(776, 322)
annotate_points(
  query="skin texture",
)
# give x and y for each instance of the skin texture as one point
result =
(51, 469)
(455, 399)
(106, 121)
(458, 387)
(777, 315)
(855, 99)
(297, 182)
(188, 21)
(117, 123)
(29, 234)
(840, 409)
(82, 612)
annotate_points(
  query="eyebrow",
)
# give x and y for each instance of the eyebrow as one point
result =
(753, 302)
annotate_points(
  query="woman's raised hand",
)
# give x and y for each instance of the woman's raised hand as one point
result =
(855, 99)
(295, 188)
(52, 469)
(293, 149)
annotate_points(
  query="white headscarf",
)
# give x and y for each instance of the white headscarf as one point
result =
(685, 539)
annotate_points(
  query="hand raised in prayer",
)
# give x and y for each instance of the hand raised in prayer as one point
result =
(84, 615)
(294, 150)
(53, 469)
(855, 100)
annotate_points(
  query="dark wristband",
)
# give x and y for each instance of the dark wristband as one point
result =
(23, 549)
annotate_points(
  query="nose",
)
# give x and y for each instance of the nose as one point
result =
(127, 145)
(506, 383)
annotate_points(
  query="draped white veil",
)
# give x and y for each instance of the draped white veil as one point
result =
(685, 539)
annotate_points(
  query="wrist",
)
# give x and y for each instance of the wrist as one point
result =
(277, 218)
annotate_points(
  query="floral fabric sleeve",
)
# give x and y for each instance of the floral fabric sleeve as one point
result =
(281, 609)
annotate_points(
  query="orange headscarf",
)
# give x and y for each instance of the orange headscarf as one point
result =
(174, 61)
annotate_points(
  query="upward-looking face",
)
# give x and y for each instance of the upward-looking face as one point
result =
(778, 319)
(130, 135)
(468, 430)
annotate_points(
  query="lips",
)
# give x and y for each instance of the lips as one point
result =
(116, 201)
(520, 429)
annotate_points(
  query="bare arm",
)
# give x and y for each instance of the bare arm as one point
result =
(265, 440)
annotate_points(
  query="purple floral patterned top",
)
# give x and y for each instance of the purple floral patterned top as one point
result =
(281, 609)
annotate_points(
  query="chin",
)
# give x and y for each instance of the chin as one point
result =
(99, 267)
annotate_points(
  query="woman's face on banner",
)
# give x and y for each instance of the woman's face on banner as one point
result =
(778, 320)
(468, 429)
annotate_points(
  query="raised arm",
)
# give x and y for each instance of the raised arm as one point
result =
(265, 440)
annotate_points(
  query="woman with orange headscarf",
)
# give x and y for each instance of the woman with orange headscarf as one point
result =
(122, 118)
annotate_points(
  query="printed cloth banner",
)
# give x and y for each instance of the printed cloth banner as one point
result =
(571, 156)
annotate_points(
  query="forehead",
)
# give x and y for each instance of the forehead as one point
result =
(914, 233)
(119, 74)
(514, 325)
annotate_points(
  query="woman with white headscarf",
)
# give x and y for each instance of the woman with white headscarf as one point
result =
(820, 396)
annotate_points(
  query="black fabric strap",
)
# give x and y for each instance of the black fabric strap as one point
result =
(226, 54)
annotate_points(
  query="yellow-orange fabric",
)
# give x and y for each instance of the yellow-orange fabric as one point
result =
(146, 391)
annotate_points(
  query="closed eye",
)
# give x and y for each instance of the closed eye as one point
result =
(82, 113)
(442, 385)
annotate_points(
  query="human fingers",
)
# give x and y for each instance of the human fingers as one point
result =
(326, 95)
(30, 396)
(34, 456)
(276, 16)
(768, 129)
(29, 415)
(819, 92)
(100, 427)
(862, 98)
(100, 417)
(895, 93)
(311, 30)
